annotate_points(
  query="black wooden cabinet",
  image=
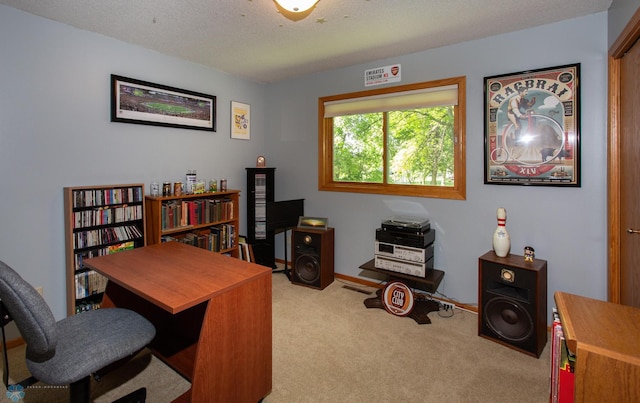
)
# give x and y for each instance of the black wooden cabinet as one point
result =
(260, 192)
(266, 217)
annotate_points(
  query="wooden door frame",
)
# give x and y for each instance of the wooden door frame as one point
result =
(623, 43)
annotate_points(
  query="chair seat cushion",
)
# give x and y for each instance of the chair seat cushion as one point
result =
(90, 341)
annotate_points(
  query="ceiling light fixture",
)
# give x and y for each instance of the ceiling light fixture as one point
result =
(296, 6)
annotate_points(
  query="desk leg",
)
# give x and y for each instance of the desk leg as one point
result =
(233, 360)
(222, 346)
(286, 270)
(419, 313)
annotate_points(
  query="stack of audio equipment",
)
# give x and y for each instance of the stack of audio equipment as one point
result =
(405, 245)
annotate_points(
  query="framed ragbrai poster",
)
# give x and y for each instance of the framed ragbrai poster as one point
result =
(532, 127)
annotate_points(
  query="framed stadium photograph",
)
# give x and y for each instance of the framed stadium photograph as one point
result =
(142, 102)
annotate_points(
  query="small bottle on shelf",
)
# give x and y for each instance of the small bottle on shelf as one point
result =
(166, 189)
(155, 189)
(190, 181)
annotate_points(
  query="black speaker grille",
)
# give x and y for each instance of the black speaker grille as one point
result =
(508, 319)
(307, 268)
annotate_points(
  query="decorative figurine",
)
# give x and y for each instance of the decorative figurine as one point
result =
(501, 239)
(529, 254)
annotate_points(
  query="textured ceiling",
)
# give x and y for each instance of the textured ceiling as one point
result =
(251, 39)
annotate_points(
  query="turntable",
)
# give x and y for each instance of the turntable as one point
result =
(406, 224)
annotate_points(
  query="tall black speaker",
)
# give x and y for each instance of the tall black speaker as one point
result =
(312, 263)
(512, 306)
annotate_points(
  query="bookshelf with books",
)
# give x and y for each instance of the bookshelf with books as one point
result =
(99, 220)
(603, 350)
(206, 220)
(562, 364)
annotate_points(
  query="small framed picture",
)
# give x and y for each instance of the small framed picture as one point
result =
(313, 223)
(240, 121)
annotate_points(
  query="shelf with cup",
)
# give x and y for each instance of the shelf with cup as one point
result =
(206, 220)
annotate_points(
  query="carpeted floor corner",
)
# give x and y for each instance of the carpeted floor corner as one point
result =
(328, 347)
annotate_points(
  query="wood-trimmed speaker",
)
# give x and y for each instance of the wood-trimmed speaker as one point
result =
(512, 306)
(312, 263)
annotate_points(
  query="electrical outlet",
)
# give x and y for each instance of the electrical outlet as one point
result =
(449, 306)
(40, 291)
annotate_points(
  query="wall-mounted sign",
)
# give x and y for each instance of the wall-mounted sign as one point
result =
(382, 75)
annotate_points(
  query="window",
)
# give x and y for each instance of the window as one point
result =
(407, 140)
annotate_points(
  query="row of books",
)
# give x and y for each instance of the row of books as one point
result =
(182, 213)
(216, 239)
(245, 250)
(87, 239)
(89, 283)
(107, 215)
(562, 365)
(105, 197)
(88, 254)
(87, 305)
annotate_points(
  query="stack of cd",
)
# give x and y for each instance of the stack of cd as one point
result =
(405, 245)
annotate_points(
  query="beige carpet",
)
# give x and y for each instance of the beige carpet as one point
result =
(327, 347)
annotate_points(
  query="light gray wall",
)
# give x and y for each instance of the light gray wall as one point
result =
(620, 12)
(566, 226)
(55, 131)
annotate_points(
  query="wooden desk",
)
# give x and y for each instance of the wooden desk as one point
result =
(605, 339)
(212, 315)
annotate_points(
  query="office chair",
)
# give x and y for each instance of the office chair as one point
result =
(69, 351)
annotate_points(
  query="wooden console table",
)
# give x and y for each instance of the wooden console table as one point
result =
(421, 307)
(212, 315)
(605, 339)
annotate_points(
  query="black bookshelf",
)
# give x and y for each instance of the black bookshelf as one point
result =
(265, 216)
(260, 191)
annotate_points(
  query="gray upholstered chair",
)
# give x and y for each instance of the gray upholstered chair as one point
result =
(69, 351)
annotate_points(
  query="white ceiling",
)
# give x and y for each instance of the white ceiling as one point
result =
(251, 39)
